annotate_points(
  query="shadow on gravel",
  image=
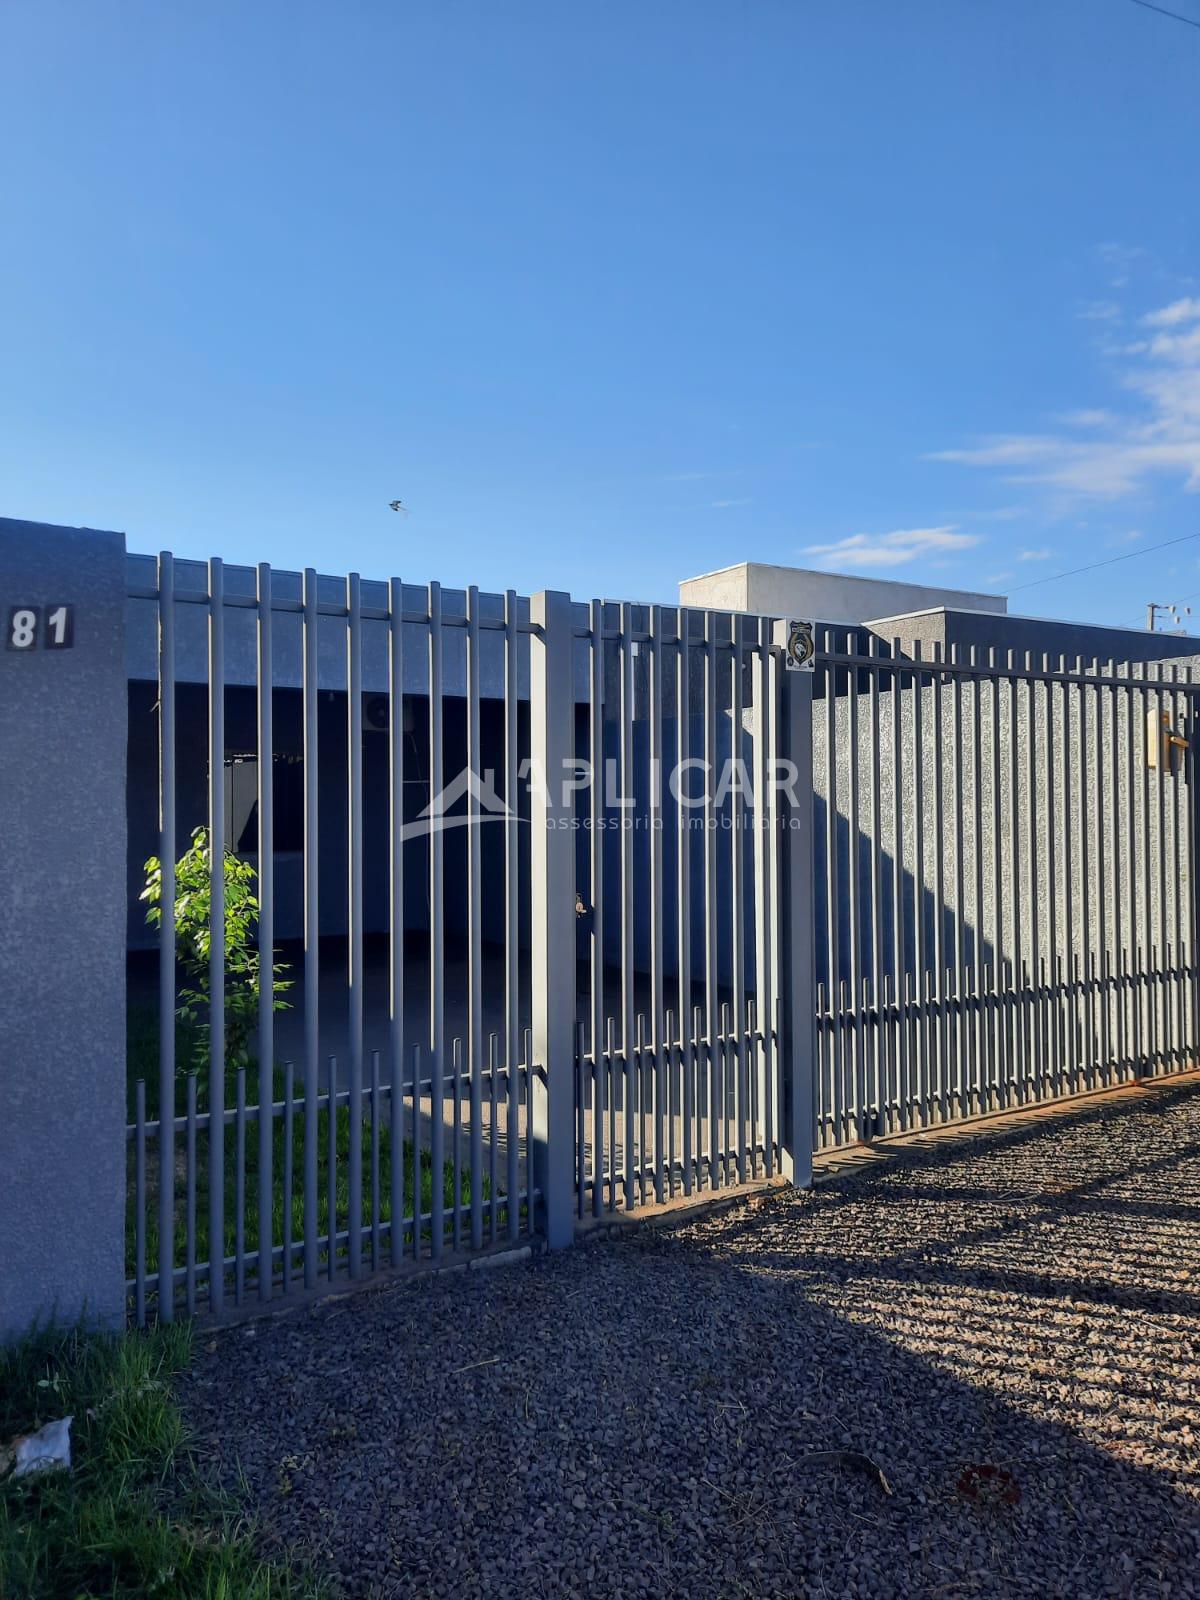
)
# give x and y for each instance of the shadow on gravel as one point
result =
(633, 1417)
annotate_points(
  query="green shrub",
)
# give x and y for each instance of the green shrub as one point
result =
(193, 944)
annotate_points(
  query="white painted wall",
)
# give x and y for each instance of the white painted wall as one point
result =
(823, 596)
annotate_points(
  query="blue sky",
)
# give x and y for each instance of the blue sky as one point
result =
(610, 294)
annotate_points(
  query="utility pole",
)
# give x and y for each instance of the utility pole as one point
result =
(1176, 614)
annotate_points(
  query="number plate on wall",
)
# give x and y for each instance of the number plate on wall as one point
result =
(40, 628)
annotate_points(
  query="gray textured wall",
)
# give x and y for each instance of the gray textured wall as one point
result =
(1101, 859)
(62, 934)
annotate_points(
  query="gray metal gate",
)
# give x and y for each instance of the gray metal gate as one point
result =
(1005, 880)
(681, 1081)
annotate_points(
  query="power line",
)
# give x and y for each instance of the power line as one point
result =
(1163, 12)
(1111, 561)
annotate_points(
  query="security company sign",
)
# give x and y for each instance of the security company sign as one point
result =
(799, 653)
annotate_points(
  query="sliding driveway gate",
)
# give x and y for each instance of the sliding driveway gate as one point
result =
(576, 909)
(1004, 880)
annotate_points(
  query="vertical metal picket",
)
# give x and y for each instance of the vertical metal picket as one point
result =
(437, 936)
(512, 957)
(266, 938)
(626, 801)
(216, 935)
(312, 926)
(396, 913)
(683, 758)
(474, 923)
(654, 668)
(166, 949)
(354, 853)
(596, 874)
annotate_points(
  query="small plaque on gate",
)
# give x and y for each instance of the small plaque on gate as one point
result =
(799, 654)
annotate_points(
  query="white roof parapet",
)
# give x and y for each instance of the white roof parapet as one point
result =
(826, 596)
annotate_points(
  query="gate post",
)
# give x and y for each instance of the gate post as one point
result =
(797, 1045)
(63, 720)
(552, 942)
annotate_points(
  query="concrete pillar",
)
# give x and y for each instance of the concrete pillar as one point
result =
(62, 925)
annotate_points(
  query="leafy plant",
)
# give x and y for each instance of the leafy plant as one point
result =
(193, 944)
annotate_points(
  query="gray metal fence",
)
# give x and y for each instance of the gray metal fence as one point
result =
(1005, 884)
(335, 1163)
(542, 881)
(511, 1001)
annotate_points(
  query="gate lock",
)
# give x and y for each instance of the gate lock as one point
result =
(1163, 742)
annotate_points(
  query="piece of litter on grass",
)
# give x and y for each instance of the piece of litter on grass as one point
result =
(848, 1458)
(44, 1451)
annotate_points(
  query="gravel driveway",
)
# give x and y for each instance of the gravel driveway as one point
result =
(633, 1417)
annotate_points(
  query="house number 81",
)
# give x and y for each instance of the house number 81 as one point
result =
(27, 629)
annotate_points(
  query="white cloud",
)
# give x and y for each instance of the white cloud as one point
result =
(1177, 346)
(1099, 311)
(1087, 418)
(1156, 436)
(1185, 310)
(892, 549)
(1035, 555)
(722, 505)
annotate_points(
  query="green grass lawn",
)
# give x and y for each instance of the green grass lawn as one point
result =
(143, 1062)
(133, 1516)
